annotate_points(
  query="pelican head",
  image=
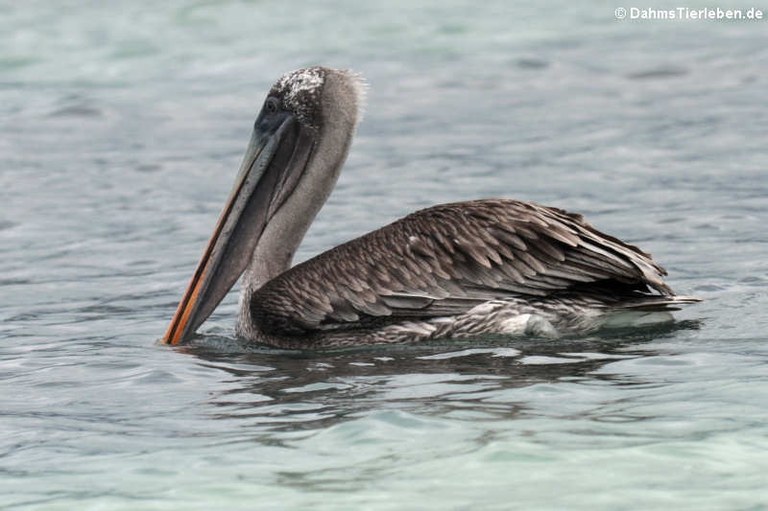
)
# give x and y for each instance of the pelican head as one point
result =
(299, 143)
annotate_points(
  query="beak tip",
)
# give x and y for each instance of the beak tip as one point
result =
(174, 335)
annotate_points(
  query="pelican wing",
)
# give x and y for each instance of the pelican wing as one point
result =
(446, 259)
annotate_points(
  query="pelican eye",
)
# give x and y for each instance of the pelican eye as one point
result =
(272, 105)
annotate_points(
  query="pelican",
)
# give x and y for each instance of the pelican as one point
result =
(493, 266)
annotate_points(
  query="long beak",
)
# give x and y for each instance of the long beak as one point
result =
(276, 157)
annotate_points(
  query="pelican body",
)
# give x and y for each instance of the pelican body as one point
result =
(494, 266)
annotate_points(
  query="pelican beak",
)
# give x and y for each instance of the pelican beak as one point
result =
(274, 162)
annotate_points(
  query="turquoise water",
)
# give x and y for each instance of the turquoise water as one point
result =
(123, 126)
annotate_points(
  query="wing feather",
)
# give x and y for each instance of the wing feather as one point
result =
(445, 260)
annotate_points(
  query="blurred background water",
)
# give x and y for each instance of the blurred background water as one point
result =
(122, 127)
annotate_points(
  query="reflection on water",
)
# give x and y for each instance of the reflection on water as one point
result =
(282, 390)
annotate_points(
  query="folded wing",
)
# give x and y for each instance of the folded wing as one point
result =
(446, 259)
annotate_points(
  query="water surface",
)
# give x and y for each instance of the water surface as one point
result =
(123, 126)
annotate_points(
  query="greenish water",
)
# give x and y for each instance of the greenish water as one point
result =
(123, 125)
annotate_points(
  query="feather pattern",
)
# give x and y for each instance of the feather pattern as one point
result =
(445, 261)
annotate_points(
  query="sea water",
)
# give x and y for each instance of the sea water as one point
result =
(123, 124)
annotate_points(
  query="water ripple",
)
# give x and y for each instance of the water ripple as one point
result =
(122, 138)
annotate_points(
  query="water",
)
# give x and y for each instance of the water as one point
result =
(123, 125)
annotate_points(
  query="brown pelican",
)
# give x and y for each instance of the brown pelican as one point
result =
(454, 270)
